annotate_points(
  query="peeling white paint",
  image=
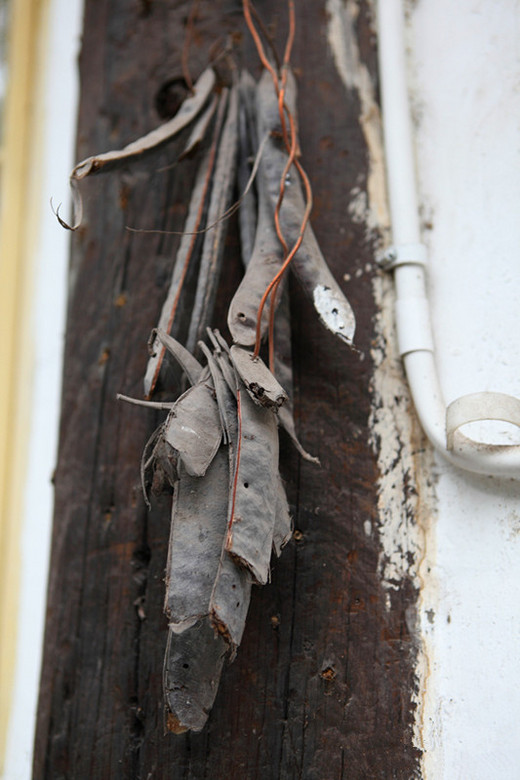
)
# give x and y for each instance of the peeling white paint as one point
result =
(359, 209)
(406, 488)
(465, 103)
(355, 76)
(405, 460)
(396, 438)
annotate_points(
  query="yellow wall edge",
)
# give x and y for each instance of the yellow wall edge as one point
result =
(16, 287)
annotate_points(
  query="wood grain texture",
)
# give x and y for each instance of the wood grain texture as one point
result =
(322, 685)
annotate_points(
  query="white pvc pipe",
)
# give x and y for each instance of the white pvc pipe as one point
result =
(440, 424)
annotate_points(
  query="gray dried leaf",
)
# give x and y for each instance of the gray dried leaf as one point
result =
(164, 461)
(200, 128)
(261, 385)
(253, 501)
(218, 339)
(189, 364)
(214, 239)
(221, 352)
(247, 151)
(193, 429)
(192, 667)
(199, 522)
(230, 600)
(247, 90)
(267, 254)
(283, 347)
(232, 589)
(225, 399)
(161, 135)
(187, 252)
(283, 371)
(287, 422)
(308, 264)
(265, 262)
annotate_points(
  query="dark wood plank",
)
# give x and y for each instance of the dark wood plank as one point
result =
(323, 682)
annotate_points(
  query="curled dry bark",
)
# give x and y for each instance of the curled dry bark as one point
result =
(218, 446)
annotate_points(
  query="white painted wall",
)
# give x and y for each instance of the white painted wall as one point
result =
(58, 131)
(465, 70)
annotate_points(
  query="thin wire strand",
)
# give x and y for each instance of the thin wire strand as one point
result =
(225, 214)
(266, 35)
(258, 42)
(290, 141)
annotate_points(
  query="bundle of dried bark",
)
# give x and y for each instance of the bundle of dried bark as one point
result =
(229, 512)
(218, 446)
(226, 530)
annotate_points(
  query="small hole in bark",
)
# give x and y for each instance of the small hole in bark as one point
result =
(170, 96)
(246, 484)
(185, 666)
(241, 315)
(334, 311)
(238, 603)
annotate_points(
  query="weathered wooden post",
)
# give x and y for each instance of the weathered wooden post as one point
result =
(323, 684)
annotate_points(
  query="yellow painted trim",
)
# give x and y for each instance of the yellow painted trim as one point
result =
(19, 163)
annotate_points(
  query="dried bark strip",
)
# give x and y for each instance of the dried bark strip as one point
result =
(214, 239)
(193, 428)
(248, 145)
(187, 253)
(261, 385)
(153, 140)
(251, 525)
(225, 399)
(308, 264)
(222, 352)
(199, 522)
(187, 112)
(261, 266)
(200, 129)
(284, 373)
(230, 600)
(189, 364)
(192, 668)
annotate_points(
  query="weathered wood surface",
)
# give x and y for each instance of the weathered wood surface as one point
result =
(322, 685)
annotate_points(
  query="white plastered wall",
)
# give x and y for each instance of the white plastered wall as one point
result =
(465, 79)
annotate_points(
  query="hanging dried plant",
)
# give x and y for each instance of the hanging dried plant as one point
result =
(218, 446)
